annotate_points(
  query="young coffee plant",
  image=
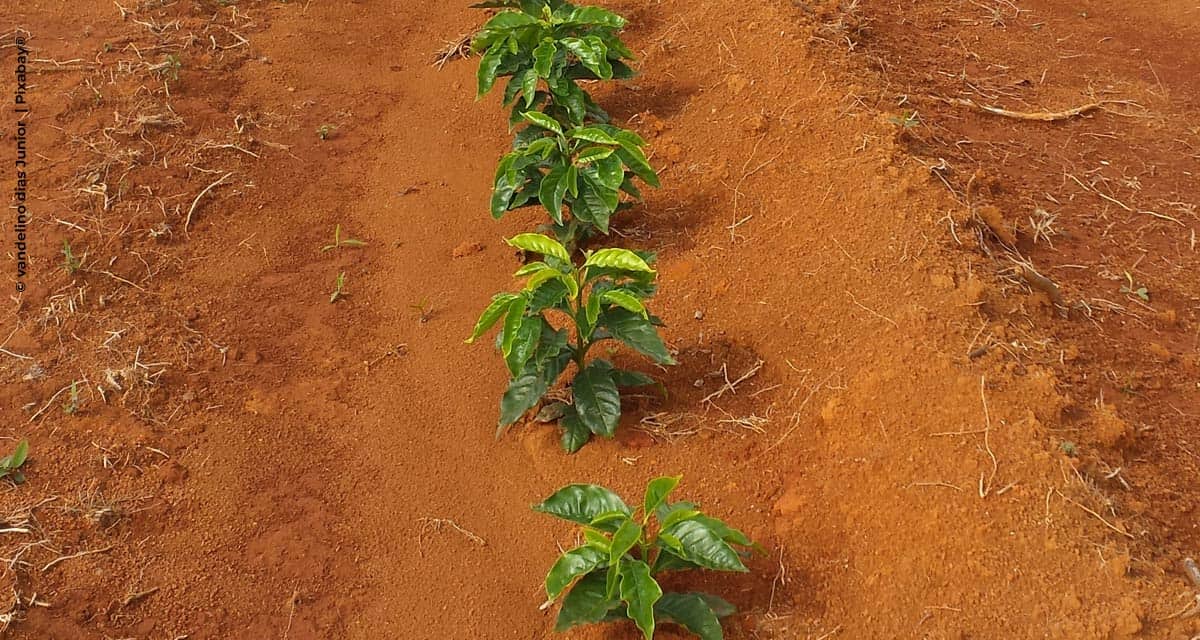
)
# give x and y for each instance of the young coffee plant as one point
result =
(576, 174)
(612, 575)
(544, 48)
(602, 299)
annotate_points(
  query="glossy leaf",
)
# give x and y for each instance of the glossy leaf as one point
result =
(637, 332)
(489, 63)
(538, 243)
(640, 592)
(524, 392)
(625, 300)
(690, 611)
(553, 191)
(574, 435)
(492, 314)
(542, 120)
(657, 492)
(543, 57)
(597, 399)
(512, 322)
(596, 16)
(581, 503)
(592, 134)
(570, 565)
(622, 259)
(701, 545)
(586, 602)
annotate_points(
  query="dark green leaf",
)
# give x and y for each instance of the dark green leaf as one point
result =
(690, 611)
(697, 543)
(657, 492)
(720, 606)
(640, 592)
(582, 503)
(571, 565)
(625, 378)
(552, 192)
(523, 393)
(574, 435)
(637, 332)
(587, 602)
(727, 533)
(596, 399)
(523, 344)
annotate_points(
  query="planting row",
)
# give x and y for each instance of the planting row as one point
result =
(569, 160)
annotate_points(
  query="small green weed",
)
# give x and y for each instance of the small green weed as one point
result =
(71, 263)
(10, 465)
(338, 288)
(169, 68)
(423, 309)
(326, 131)
(339, 241)
(910, 120)
(73, 403)
(1132, 289)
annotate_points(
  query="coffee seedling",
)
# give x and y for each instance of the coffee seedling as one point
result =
(10, 465)
(544, 48)
(603, 299)
(582, 169)
(612, 575)
(325, 131)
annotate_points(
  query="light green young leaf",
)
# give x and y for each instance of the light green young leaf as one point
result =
(512, 322)
(542, 120)
(625, 300)
(622, 259)
(538, 243)
(494, 311)
(592, 134)
(14, 460)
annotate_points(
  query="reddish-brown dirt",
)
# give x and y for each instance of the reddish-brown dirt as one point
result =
(930, 448)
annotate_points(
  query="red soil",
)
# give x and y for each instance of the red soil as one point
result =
(264, 464)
